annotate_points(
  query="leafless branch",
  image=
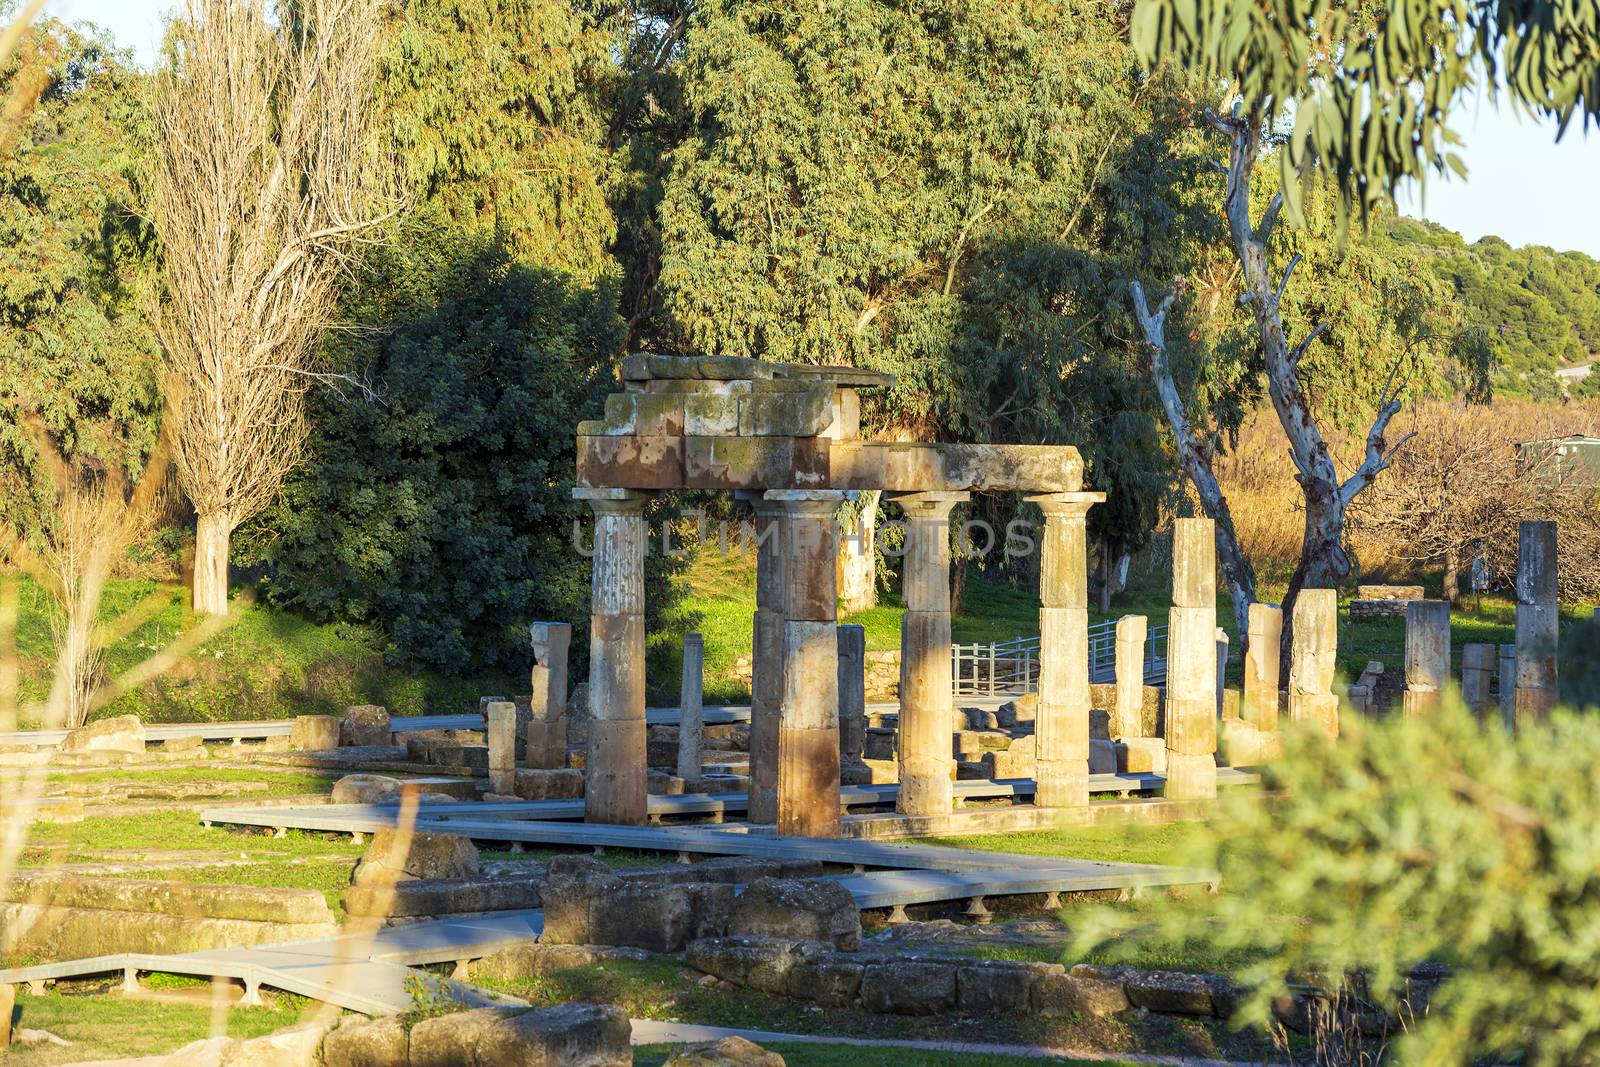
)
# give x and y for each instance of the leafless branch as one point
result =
(1288, 272)
(1300, 349)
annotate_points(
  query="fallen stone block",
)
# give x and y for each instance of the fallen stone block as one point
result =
(562, 784)
(732, 1051)
(537, 959)
(1102, 757)
(799, 909)
(585, 903)
(314, 733)
(908, 987)
(270, 904)
(761, 963)
(365, 725)
(831, 979)
(77, 933)
(1142, 755)
(441, 896)
(367, 1043)
(999, 987)
(1084, 991)
(122, 733)
(394, 856)
(569, 1035)
(1170, 991)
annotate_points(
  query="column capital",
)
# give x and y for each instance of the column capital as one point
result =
(815, 502)
(614, 501)
(935, 505)
(1066, 505)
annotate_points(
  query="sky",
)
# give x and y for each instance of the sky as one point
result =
(1506, 155)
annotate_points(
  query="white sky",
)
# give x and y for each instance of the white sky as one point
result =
(1521, 184)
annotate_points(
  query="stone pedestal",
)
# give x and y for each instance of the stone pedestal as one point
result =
(1538, 622)
(1192, 663)
(853, 705)
(1478, 662)
(1061, 775)
(1427, 655)
(808, 722)
(1313, 659)
(766, 661)
(617, 774)
(500, 724)
(1127, 719)
(926, 704)
(1260, 704)
(546, 733)
(691, 707)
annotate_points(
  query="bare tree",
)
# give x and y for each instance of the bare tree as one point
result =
(1323, 561)
(264, 183)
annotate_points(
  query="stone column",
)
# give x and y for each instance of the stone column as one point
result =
(1313, 658)
(1507, 686)
(853, 705)
(616, 774)
(1192, 663)
(1222, 667)
(1061, 738)
(1260, 705)
(546, 734)
(1128, 719)
(927, 706)
(1477, 672)
(808, 721)
(691, 708)
(1538, 622)
(500, 726)
(1427, 655)
(766, 661)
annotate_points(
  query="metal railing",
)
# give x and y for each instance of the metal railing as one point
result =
(998, 668)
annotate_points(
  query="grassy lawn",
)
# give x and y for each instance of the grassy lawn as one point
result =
(1122, 844)
(84, 841)
(101, 1026)
(814, 1055)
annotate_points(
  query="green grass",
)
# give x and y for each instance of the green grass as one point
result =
(1124, 844)
(100, 1026)
(813, 1055)
(329, 878)
(84, 841)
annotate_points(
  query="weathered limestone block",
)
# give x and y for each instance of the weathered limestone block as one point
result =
(852, 705)
(546, 731)
(1128, 719)
(8, 1004)
(731, 1051)
(1427, 654)
(1000, 987)
(761, 963)
(365, 789)
(691, 707)
(1141, 755)
(908, 987)
(755, 462)
(1062, 772)
(1314, 660)
(802, 910)
(645, 366)
(568, 1035)
(360, 1042)
(786, 409)
(1084, 991)
(1173, 992)
(537, 959)
(1018, 761)
(1478, 664)
(1191, 703)
(1538, 622)
(1190, 777)
(1260, 705)
(829, 979)
(500, 725)
(585, 903)
(364, 725)
(442, 896)
(1102, 756)
(535, 784)
(121, 733)
(616, 755)
(310, 733)
(66, 933)
(630, 462)
(395, 856)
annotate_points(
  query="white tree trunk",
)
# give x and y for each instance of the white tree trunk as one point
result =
(858, 574)
(213, 534)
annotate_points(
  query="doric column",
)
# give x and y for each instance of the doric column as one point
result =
(1061, 740)
(617, 771)
(546, 733)
(1128, 721)
(808, 721)
(853, 705)
(1192, 663)
(691, 708)
(1427, 655)
(1260, 704)
(1538, 686)
(926, 704)
(766, 661)
(1313, 659)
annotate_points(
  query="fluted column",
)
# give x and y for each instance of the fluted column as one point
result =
(808, 721)
(1062, 739)
(617, 773)
(926, 703)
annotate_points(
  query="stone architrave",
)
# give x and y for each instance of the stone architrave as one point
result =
(853, 705)
(616, 771)
(1313, 659)
(1427, 655)
(500, 726)
(1506, 686)
(1128, 719)
(691, 707)
(808, 723)
(1478, 662)
(1260, 704)
(926, 701)
(766, 660)
(545, 736)
(1061, 773)
(1192, 663)
(1538, 622)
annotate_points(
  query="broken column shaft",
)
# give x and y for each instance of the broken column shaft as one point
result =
(766, 661)
(1538, 622)
(1192, 663)
(1427, 655)
(546, 732)
(1313, 659)
(1128, 718)
(691, 707)
(853, 769)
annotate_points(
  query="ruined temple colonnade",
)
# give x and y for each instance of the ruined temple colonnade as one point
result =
(786, 438)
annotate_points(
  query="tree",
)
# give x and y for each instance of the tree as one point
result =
(263, 183)
(951, 195)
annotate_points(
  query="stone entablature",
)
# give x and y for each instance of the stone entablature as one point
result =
(726, 422)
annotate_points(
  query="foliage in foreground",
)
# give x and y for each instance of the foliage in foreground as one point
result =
(1413, 841)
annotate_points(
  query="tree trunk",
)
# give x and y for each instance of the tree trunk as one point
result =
(1107, 576)
(1323, 563)
(858, 574)
(212, 536)
(1452, 568)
